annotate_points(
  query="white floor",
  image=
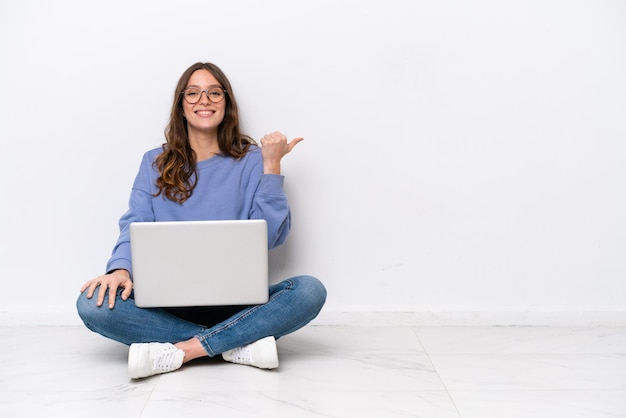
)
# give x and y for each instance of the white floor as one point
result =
(326, 371)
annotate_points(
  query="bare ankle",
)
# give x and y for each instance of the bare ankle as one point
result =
(193, 349)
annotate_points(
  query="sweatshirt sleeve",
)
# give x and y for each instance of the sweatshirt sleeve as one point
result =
(139, 210)
(270, 203)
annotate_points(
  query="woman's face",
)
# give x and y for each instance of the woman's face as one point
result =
(204, 116)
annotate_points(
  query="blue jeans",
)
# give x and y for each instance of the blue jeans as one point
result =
(293, 303)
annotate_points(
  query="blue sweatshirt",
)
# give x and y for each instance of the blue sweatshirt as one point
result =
(227, 188)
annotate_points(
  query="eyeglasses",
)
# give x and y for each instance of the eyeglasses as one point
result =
(193, 95)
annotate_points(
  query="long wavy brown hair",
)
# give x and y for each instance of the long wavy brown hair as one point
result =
(177, 163)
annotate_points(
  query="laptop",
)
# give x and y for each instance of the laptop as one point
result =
(199, 263)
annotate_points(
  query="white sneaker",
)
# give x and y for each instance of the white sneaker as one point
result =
(147, 359)
(261, 354)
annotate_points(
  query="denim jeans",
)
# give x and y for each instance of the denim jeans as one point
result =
(293, 303)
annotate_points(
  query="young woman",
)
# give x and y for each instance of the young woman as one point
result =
(207, 169)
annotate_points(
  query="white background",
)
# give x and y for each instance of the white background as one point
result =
(458, 156)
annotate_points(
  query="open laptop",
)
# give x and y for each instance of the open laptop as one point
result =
(199, 263)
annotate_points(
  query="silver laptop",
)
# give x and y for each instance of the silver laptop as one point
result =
(199, 263)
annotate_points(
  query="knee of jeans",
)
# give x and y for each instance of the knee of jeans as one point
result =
(87, 309)
(312, 288)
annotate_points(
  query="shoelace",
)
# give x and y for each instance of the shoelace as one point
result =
(242, 354)
(164, 359)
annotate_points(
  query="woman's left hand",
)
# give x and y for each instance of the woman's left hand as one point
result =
(274, 147)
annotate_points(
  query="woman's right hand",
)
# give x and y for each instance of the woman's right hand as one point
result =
(109, 283)
(274, 147)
